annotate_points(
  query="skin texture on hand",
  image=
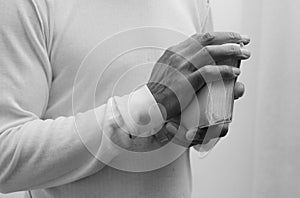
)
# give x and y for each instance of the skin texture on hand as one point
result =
(185, 68)
(173, 131)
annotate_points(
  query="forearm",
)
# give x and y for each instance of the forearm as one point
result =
(46, 153)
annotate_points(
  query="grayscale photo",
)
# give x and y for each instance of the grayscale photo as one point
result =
(149, 99)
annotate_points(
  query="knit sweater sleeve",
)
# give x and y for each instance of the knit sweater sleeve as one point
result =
(42, 153)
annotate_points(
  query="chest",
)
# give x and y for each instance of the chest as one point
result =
(81, 26)
(107, 48)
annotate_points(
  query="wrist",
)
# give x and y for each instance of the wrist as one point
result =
(166, 99)
(140, 112)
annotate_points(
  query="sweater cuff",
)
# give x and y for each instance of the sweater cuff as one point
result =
(140, 112)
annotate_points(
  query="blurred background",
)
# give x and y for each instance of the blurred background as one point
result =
(260, 157)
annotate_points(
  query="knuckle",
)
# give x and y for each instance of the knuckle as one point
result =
(175, 59)
(196, 39)
(196, 36)
(171, 49)
(166, 55)
(205, 50)
(225, 69)
(233, 50)
(208, 36)
(205, 69)
(226, 72)
(234, 35)
(189, 65)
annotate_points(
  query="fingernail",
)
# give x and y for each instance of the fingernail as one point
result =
(246, 38)
(246, 52)
(236, 71)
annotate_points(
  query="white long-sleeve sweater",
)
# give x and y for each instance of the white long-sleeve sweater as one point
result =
(66, 69)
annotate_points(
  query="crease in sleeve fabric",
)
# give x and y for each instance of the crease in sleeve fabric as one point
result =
(43, 43)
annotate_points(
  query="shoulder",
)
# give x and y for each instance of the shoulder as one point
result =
(18, 8)
(23, 6)
(21, 19)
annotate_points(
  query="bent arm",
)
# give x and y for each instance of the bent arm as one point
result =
(37, 153)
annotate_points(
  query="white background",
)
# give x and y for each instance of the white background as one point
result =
(227, 170)
(260, 156)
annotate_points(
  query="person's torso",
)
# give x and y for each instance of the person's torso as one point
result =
(104, 48)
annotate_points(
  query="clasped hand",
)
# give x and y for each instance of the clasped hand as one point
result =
(183, 70)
